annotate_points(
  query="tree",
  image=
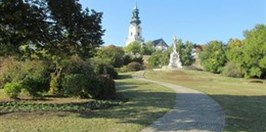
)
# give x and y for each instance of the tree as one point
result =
(22, 23)
(134, 48)
(115, 54)
(148, 48)
(254, 52)
(234, 54)
(74, 31)
(186, 53)
(49, 30)
(234, 51)
(213, 58)
(159, 58)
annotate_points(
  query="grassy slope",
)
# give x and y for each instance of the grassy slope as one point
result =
(243, 102)
(146, 103)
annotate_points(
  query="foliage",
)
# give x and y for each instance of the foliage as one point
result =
(76, 85)
(186, 57)
(233, 70)
(22, 22)
(234, 51)
(254, 52)
(104, 89)
(132, 58)
(213, 58)
(47, 30)
(159, 58)
(134, 48)
(102, 67)
(12, 90)
(10, 71)
(134, 66)
(32, 74)
(115, 54)
(37, 76)
(148, 48)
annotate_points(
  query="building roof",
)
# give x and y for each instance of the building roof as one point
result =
(159, 42)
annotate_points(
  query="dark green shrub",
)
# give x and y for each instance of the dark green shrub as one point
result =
(134, 66)
(76, 85)
(79, 85)
(35, 85)
(102, 67)
(233, 70)
(12, 90)
(103, 88)
(75, 65)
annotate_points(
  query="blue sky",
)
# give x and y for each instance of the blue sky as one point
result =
(198, 21)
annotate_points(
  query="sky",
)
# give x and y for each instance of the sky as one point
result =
(198, 21)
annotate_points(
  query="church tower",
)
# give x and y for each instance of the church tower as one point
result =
(135, 30)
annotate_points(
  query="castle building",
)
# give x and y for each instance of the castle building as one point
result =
(135, 30)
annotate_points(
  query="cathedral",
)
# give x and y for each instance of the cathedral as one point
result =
(135, 32)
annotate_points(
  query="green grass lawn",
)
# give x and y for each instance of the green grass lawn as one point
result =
(145, 103)
(243, 101)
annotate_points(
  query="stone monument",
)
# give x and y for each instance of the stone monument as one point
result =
(175, 62)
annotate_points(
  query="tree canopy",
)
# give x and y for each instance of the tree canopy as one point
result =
(213, 58)
(48, 26)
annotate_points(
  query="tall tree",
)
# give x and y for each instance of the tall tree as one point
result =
(254, 52)
(213, 58)
(21, 23)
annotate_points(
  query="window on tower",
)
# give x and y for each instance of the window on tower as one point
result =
(131, 34)
(138, 34)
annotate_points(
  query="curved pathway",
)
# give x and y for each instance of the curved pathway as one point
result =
(193, 111)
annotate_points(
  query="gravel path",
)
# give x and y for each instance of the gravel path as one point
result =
(193, 112)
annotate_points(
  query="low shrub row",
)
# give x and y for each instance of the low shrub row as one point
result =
(76, 78)
(27, 106)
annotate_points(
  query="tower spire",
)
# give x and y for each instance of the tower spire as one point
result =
(135, 16)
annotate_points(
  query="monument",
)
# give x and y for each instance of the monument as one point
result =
(175, 62)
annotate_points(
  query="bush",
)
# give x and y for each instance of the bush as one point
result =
(122, 69)
(128, 58)
(75, 85)
(101, 67)
(32, 74)
(10, 71)
(75, 65)
(104, 88)
(233, 70)
(78, 85)
(12, 89)
(134, 66)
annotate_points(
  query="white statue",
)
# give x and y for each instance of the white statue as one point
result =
(175, 61)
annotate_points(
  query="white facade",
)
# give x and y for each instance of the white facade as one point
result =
(134, 34)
